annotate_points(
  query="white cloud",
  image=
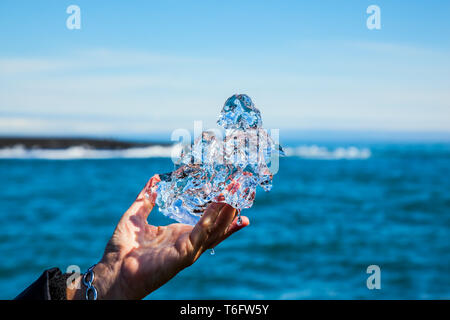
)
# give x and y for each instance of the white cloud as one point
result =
(95, 59)
(26, 125)
(126, 91)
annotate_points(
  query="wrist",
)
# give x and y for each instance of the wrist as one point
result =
(104, 282)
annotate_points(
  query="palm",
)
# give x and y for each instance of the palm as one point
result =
(151, 255)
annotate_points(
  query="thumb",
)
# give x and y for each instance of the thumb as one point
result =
(145, 201)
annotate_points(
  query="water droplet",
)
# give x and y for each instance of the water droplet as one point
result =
(212, 252)
(239, 219)
(147, 195)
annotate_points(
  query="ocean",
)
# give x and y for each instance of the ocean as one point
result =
(334, 210)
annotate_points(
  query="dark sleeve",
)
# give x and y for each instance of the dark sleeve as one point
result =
(51, 285)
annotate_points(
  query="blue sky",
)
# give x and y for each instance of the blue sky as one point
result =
(141, 67)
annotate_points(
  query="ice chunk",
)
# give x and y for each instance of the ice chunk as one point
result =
(239, 112)
(220, 170)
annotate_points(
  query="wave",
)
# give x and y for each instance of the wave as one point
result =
(82, 152)
(323, 153)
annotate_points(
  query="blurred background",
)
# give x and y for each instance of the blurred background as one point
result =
(86, 117)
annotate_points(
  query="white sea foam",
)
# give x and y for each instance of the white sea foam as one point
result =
(323, 153)
(81, 152)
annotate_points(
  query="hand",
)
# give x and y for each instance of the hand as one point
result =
(139, 258)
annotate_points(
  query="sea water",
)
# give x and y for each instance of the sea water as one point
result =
(335, 209)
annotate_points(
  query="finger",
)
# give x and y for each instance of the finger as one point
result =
(232, 228)
(220, 198)
(149, 191)
(145, 200)
(204, 226)
(224, 220)
(221, 226)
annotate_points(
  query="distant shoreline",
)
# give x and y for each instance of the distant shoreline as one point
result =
(64, 143)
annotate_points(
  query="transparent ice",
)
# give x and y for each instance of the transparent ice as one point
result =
(216, 169)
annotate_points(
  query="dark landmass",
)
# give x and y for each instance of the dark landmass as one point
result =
(64, 143)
